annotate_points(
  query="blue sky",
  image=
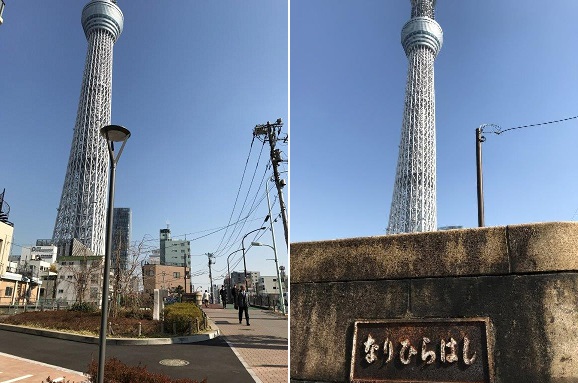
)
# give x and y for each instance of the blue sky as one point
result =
(505, 62)
(191, 79)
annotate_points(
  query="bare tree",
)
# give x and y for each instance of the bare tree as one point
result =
(127, 278)
(83, 272)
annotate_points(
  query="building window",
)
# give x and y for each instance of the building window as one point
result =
(69, 277)
(93, 292)
(151, 273)
(8, 291)
(60, 291)
(176, 274)
(61, 277)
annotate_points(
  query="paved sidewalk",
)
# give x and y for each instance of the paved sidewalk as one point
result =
(21, 370)
(261, 347)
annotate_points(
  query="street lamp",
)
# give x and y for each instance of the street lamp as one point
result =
(112, 134)
(228, 269)
(243, 248)
(281, 297)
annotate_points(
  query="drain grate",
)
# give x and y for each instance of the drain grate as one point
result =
(173, 362)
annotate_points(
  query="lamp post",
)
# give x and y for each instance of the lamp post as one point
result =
(243, 248)
(480, 180)
(112, 134)
(281, 297)
(229, 270)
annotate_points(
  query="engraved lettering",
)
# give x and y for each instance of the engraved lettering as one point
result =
(452, 356)
(370, 349)
(408, 349)
(427, 356)
(388, 350)
(467, 360)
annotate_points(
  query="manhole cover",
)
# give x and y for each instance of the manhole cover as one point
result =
(173, 362)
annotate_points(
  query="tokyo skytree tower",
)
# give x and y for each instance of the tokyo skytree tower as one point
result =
(413, 207)
(82, 211)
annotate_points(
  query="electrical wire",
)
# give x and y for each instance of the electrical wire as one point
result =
(499, 130)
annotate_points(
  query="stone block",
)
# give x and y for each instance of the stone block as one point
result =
(541, 247)
(321, 323)
(443, 253)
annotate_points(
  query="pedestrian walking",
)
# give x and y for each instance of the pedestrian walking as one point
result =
(243, 304)
(223, 294)
(234, 294)
(206, 298)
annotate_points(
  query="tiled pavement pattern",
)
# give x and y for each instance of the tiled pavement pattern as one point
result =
(15, 369)
(261, 347)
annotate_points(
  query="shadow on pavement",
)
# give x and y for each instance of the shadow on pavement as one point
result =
(257, 341)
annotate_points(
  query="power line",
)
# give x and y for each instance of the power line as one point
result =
(498, 129)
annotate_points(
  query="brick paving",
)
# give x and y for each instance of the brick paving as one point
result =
(21, 370)
(262, 347)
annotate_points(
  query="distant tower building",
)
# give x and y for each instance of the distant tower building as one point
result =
(121, 229)
(413, 207)
(82, 211)
(174, 253)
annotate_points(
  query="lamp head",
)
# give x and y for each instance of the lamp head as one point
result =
(115, 133)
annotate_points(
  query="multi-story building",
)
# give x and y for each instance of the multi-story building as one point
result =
(121, 230)
(14, 288)
(267, 285)
(39, 252)
(174, 252)
(165, 277)
(238, 278)
(79, 279)
(6, 233)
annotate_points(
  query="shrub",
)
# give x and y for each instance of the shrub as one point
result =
(84, 307)
(181, 314)
(137, 313)
(117, 372)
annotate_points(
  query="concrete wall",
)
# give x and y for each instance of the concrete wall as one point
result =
(523, 277)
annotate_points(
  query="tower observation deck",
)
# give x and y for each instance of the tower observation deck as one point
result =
(413, 206)
(82, 210)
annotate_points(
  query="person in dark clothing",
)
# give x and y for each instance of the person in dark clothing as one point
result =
(234, 294)
(223, 294)
(243, 304)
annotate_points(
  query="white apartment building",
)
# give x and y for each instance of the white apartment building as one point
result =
(79, 279)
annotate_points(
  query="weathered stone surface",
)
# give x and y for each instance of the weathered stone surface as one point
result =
(322, 317)
(523, 277)
(445, 253)
(539, 247)
(533, 316)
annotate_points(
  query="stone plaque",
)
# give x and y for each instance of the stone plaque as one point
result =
(420, 351)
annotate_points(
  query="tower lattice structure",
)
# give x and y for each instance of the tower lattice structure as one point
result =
(82, 210)
(413, 206)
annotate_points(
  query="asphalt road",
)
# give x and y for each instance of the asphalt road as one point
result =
(212, 359)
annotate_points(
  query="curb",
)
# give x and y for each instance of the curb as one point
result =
(115, 341)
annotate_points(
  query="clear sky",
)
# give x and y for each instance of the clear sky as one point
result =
(191, 79)
(506, 62)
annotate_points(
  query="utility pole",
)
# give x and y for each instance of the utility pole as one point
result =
(271, 133)
(211, 262)
(185, 264)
